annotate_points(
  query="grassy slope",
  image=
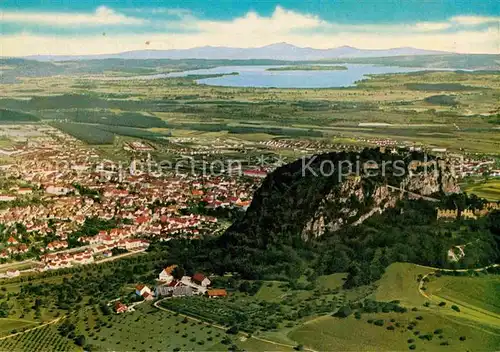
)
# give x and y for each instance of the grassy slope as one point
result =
(400, 283)
(9, 324)
(329, 333)
(489, 189)
(151, 329)
(481, 292)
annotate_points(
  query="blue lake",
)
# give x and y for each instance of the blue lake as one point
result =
(258, 76)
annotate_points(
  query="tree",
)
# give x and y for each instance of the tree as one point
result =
(343, 312)
(245, 287)
(178, 272)
(233, 330)
(80, 340)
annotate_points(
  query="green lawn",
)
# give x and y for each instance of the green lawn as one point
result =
(271, 291)
(7, 325)
(333, 282)
(399, 282)
(151, 329)
(482, 292)
(43, 339)
(489, 189)
(349, 334)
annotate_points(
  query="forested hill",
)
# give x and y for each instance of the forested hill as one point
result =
(310, 197)
(312, 224)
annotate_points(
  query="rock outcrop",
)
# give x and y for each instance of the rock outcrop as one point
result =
(324, 193)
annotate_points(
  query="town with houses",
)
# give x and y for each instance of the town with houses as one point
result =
(54, 184)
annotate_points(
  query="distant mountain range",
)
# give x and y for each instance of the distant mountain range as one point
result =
(278, 51)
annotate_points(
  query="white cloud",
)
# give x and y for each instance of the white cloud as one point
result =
(254, 30)
(475, 20)
(102, 16)
(431, 26)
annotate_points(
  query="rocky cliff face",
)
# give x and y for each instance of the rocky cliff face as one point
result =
(306, 199)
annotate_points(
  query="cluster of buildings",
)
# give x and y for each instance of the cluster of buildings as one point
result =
(173, 284)
(453, 214)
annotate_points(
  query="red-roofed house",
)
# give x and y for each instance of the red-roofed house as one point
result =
(120, 307)
(166, 274)
(140, 290)
(12, 241)
(200, 279)
(217, 293)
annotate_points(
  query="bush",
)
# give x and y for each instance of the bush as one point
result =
(390, 327)
(462, 338)
(233, 330)
(427, 337)
(419, 317)
(412, 347)
(379, 322)
(411, 341)
(455, 308)
(438, 331)
(343, 312)
(442, 304)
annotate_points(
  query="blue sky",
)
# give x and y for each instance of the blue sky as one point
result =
(93, 26)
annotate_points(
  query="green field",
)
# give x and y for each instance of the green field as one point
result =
(12, 325)
(43, 339)
(400, 282)
(433, 109)
(475, 292)
(489, 189)
(350, 334)
(151, 329)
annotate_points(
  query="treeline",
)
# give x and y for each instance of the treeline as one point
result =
(100, 281)
(441, 87)
(105, 134)
(446, 100)
(276, 131)
(87, 133)
(134, 132)
(128, 119)
(16, 116)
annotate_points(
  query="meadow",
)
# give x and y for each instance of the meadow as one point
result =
(489, 189)
(426, 326)
(453, 110)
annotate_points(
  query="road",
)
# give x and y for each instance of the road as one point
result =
(156, 304)
(472, 311)
(421, 283)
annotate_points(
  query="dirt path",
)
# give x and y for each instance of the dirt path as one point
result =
(35, 328)
(156, 304)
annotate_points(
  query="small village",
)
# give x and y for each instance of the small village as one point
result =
(171, 283)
